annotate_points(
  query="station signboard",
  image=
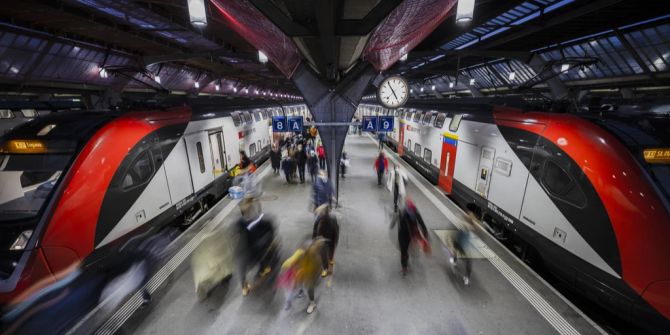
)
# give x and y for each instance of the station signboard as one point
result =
(369, 123)
(279, 124)
(295, 124)
(385, 123)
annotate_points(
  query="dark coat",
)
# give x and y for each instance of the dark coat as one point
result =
(275, 158)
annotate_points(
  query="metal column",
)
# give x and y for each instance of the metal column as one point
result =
(333, 105)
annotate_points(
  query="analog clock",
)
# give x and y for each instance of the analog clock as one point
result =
(393, 92)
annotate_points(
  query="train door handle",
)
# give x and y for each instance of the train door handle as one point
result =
(529, 220)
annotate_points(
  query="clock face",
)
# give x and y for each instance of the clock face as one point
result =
(393, 92)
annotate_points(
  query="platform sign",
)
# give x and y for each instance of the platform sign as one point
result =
(369, 123)
(295, 124)
(279, 124)
(386, 123)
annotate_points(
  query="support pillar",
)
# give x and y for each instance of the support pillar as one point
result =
(333, 104)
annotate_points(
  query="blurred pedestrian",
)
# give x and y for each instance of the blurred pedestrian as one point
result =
(245, 161)
(287, 167)
(381, 163)
(308, 268)
(344, 163)
(410, 228)
(257, 244)
(312, 165)
(321, 151)
(326, 226)
(456, 245)
(275, 159)
(322, 190)
(396, 184)
(301, 161)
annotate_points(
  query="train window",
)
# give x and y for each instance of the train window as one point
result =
(6, 114)
(427, 155)
(559, 184)
(29, 113)
(237, 120)
(427, 118)
(201, 158)
(252, 149)
(417, 116)
(409, 144)
(260, 146)
(432, 119)
(246, 116)
(417, 149)
(455, 122)
(439, 120)
(140, 171)
(265, 115)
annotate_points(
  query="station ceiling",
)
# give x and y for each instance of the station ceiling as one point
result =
(67, 43)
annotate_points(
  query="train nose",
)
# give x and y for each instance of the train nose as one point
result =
(658, 295)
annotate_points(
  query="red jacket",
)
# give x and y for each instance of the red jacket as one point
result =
(321, 151)
(377, 163)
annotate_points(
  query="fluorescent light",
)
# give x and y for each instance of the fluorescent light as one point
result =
(217, 87)
(451, 85)
(465, 10)
(157, 79)
(421, 88)
(411, 90)
(472, 81)
(235, 89)
(512, 75)
(565, 67)
(103, 73)
(197, 13)
(432, 87)
(196, 84)
(403, 57)
(262, 57)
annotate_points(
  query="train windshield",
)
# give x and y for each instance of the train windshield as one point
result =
(27, 181)
(649, 141)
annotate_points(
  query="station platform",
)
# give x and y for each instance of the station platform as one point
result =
(368, 294)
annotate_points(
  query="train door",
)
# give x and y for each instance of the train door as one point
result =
(448, 162)
(218, 153)
(401, 139)
(484, 171)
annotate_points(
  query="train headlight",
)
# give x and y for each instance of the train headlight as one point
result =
(22, 240)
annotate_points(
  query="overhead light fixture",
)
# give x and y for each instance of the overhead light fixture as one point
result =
(403, 57)
(196, 84)
(103, 73)
(235, 89)
(472, 81)
(197, 13)
(217, 87)
(246, 90)
(157, 79)
(262, 57)
(421, 88)
(432, 87)
(512, 75)
(451, 85)
(565, 67)
(465, 10)
(411, 90)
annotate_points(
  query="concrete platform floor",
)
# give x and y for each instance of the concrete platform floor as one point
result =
(368, 294)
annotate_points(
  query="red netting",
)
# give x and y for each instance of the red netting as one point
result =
(404, 29)
(259, 31)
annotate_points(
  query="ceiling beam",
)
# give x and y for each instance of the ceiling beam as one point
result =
(281, 20)
(326, 11)
(370, 21)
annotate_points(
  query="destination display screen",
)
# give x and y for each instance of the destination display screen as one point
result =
(657, 155)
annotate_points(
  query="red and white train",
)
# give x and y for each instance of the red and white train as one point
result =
(589, 196)
(74, 186)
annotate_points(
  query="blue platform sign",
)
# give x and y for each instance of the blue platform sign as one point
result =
(369, 123)
(279, 124)
(386, 123)
(295, 124)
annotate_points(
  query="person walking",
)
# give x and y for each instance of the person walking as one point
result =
(410, 228)
(321, 151)
(381, 163)
(326, 226)
(344, 163)
(301, 160)
(322, 190)
(307, 273)
(456, 245)
(256, 244)
(312, 165)
(398, 181)
(287, 167)
(245, 161)
(275, 159)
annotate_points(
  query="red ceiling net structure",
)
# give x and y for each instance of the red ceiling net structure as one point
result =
(404, 29)
(259, 31)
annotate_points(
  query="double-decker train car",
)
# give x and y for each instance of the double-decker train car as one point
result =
(589, 196)
(74, 186)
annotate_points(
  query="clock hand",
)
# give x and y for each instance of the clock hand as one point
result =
(392, 91)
